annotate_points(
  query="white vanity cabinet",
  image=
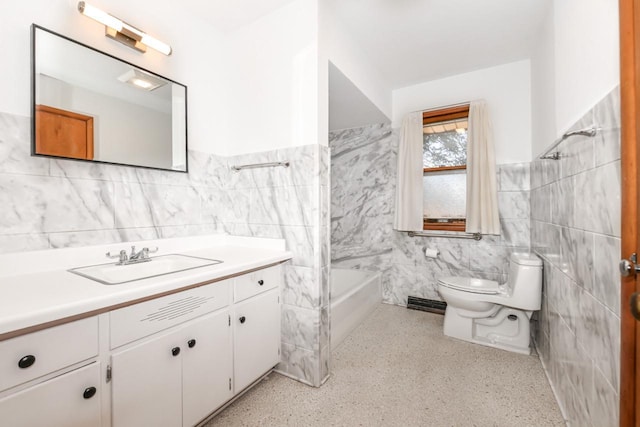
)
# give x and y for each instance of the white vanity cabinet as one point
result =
(51, 377)
(178, 376)
(68, 400)
(175, 378)
(256, 338)
(170, 372)
(168, 360)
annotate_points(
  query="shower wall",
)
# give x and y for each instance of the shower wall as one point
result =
(363, 175)
(575, 228)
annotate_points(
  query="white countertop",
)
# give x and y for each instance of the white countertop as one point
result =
(47, 294)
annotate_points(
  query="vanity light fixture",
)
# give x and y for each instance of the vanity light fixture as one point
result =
(141, 80)
(123, 32)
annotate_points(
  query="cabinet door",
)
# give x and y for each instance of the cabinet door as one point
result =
(147, 383)
(70, 400)
(206, 366)
(256, 338)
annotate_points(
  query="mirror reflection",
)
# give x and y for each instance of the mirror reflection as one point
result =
(91, 106)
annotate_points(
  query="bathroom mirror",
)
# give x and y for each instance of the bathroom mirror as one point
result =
(88, 105)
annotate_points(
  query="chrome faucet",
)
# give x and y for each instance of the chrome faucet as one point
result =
(140, 255)
(133, 258)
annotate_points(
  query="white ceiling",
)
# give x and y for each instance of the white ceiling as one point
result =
(228, 15)
(407, 41)
(413, 41)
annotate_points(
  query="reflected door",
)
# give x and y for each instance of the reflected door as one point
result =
(63, 133)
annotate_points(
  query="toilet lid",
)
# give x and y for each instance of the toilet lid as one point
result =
(469, 284)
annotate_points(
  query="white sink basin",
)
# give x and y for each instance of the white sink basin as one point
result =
(112, 274)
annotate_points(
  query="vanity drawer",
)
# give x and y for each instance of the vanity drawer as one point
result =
(257, 282)
(30, 356)
(140, 320)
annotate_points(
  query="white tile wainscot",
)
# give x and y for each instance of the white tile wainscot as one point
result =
(134, 346)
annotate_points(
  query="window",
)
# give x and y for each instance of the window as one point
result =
(444, 158)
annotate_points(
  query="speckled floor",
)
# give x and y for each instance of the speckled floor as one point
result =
(398, 369)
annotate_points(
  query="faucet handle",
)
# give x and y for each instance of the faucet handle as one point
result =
(109, 255)
(146, 251)
(122, 256)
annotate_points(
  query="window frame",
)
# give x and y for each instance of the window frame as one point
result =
(435, 116)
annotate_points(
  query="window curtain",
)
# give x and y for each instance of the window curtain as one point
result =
(482, 194)
(409, 192)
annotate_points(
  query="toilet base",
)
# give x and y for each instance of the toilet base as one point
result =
(502, 330)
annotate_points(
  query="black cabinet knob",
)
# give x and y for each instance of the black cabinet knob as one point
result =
(26, 361)
(175, 351)
(260, 282)
(191, 343)
(242, 319)
(89, 392)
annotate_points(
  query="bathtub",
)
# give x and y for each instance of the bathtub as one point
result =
(354, 295)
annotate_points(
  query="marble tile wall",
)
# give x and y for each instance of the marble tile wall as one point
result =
(363, 166)
(292, 204)
(575, 228)
(51, 203)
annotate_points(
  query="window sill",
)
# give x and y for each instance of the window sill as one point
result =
(445, 226)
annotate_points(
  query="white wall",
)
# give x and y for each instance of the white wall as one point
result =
(345, 53)
(586, 56)
(195, 60)
(543, 105)
(507, 90)
(577, 63)
(271, 81)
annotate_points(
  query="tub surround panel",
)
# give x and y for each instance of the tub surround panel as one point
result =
(579, 150)
(601, 188)
(225, 207)
(578, 330)
(290, 203)
(300, 327)
(57, 203)
(299, 288)
(607, 116)
(514, 177)
(363, 162)
(514, 204)
(515, 232)
(607, 251)
(300, 364)
(283, 205)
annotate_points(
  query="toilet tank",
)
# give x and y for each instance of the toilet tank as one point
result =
(525, 281)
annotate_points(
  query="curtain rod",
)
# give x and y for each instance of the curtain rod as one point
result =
(442, 107)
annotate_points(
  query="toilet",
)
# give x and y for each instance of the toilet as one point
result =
(492, 314)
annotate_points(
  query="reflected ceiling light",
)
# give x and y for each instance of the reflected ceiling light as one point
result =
(123, 32)
(141, 80)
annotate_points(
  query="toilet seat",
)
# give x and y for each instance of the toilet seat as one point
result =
(470, 284)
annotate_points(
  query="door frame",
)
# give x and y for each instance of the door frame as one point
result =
(629, 12)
